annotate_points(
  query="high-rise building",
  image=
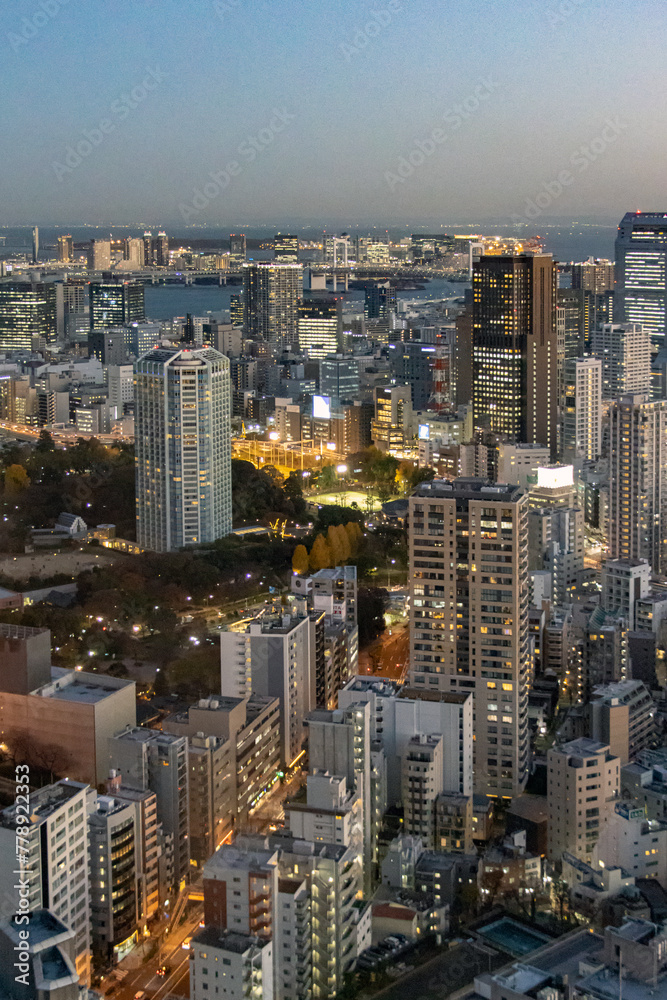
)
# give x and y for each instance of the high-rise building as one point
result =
(183, 436)
(151, 760)
(593, 275)
(583, 780)
(624, 582)
(99, 255)
(412, 363)
(339, 376)
(161, 250)
(468, 543)
(286, 248)
(320, 326)
(133, 253)
(236, 310)
(380, 301)
(582, 409)
(641, 271)
(114, 856)
(638, 481)
(271, 296)
(27, 310)
(625, 352)
(35, 245)
(55, 839)
(116, 303)
(65, 249)
(148, 249)
(238, 246)
(515, 357)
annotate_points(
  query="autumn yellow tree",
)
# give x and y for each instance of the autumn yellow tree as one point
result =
(334, 546)
(16, 479)
(320, 555)
(300, 562)
(355, 535)
(345, 549)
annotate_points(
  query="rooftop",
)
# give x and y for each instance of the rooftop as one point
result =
(213, 937)
(468, 489)
(74, 685)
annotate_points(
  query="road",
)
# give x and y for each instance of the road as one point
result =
(144, 977)
(388, 656)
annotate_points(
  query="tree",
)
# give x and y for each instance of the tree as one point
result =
(300, 560)
(343, 542)
(16, 479)
(355, 535)
(320, 556)
(371, 606)
(334, 546)
(45, 442)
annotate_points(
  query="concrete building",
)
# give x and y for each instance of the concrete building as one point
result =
(625, 353)
(149, 759)
(113, 852)
(212, 795)
(623, 715)
(638, 481)
(582, 410)
(240, 966)
(518, 462)
(556, 545)
(339, 376)
(469, 615)
(240, 890)
(149, 838)
(624, 582)
(274, 658)
(421, 781)
(51, 952)
(56, 868)
(271, 296)
(183, 435)
(583, 781)
(634, 843)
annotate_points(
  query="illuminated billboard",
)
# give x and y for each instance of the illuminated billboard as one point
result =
(424, 432)
(552, 477)
(322, 407)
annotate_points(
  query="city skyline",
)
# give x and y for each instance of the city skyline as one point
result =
(488, 119)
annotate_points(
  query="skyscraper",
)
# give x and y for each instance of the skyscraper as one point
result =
(380, 301)
(161, 250)
(582, 409)
(65, 249)
(339, 376)
(625, 352)
(116, 303)
(515, 358)
(638, 480)
(320, 326)
(27, 310)
(133, 251)
(35, 245)
(183, 441)
(148, 248)
(468, 576)
(99, 255)
(286, 248)
(641, 271)
(271, 295)
(238, 246)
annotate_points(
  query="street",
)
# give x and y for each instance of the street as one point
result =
(388, 656)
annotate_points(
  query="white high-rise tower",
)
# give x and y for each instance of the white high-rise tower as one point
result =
(183, 448)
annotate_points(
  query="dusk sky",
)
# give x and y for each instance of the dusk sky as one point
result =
(326, 110)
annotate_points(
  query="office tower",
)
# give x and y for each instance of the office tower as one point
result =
(108, 346)
(582, 409)
(624, 582)
(380, 301)
(113, 849)
(148, 249)
(56, 866)
(120, 380)
(556, 546)
(133, 253)
(238, 249)
(463, 358)
(593, 275)
(469, 615)
(286, 248)
(116, 303)
(183, 438)
(148, 852)
(623, 715)
(271, 296)
(424, 247)
(27, 310)
(99, 255)
(151, 760)
(638, 481)
(583, 780)
(393, 412)
(625, 352)
(35, 245)
(320, 326)
(641, 272)
(161, 250)
(277, 659)
(412, 364)
(65, 249)
(573, 322)
(515, 358)
(339, 376)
